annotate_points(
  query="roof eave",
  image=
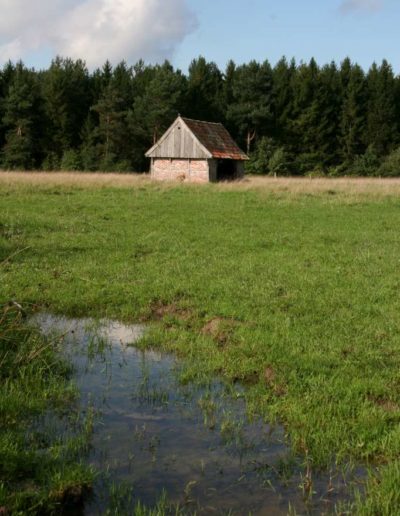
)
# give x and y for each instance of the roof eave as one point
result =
(242, 157)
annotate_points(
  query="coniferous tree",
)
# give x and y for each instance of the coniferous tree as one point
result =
(397, 105)
(111, 131)
(316, 119)
(306, 117)
(122, 81)
(6, 76)
(381, 120)
(283, 74)
(67, 101)
(89, 152)
(142, 77)
(20, 120)
(326, 105)
(204, 91)
(353, 112)
(251, 108)
(95, 149)
(227, 97)
(98, 82)
(339, 121)
(105, 136)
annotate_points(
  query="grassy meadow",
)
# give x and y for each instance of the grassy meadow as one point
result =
(290, 286)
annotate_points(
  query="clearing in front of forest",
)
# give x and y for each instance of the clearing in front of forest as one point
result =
(288, 287)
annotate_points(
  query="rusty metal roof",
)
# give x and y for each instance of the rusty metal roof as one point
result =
(216, 139)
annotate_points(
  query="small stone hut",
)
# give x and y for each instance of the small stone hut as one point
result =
(197, 152)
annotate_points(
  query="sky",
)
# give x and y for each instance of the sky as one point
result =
(180, 30)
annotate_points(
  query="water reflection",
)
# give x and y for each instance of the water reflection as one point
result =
(195, 442)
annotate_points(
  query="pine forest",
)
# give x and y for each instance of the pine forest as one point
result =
(291, 118)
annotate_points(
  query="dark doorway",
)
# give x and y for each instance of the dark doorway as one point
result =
(226, 170)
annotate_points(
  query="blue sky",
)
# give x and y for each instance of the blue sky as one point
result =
(324, 29)
(365, 30)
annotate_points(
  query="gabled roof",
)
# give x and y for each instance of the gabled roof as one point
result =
(207, 140)
(216, 139)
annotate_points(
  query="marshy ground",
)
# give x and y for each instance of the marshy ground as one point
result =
(287, 287)
(152, 432)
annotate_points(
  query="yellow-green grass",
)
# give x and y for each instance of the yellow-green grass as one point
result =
(289, 186)
(290, 286)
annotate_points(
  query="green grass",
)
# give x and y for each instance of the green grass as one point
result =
(295, 295)
(40, 468)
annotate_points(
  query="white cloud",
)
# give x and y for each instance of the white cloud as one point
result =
(94, 30)
(348, 6)
(11, 50)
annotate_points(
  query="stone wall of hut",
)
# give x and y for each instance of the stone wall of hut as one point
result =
(171, 169)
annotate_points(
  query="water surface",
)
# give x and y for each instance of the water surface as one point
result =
(152, 433)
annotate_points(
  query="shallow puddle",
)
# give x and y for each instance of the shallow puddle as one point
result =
(152, 433)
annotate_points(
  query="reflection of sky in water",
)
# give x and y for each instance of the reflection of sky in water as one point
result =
(154, 433)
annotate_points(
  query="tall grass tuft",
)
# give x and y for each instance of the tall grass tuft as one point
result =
(40, 448)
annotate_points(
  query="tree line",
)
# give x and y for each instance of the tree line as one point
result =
(291, 118)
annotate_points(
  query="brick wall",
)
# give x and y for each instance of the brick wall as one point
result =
(194, 171)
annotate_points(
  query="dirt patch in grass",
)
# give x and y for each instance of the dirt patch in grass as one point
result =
(220, 329)
(160, 311)
(249, 378)
(271, 380)
(385, 404)
(269, 376)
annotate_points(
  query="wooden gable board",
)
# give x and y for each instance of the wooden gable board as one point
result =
(179, 142)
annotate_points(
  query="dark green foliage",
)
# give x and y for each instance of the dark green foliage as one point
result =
(305, 115)
(315, 116)
(6, 76)
(269, 158)
(88, 150)
(382, 126)
(205, 91)
(327, 107)
(106, 139)
(283, 94)
(321, 118)
(51, 162)
(280, 162)
(307, 162)
(367, 164)
(65, 91)
(111, 129)
(391, 165)
(251, 107)
(20, 120)
(353, 112)
(71, 160)
(260, 158)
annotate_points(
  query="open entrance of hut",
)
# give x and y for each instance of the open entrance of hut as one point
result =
(226, 170)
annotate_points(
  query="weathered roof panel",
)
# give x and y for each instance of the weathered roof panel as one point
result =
(216, 139)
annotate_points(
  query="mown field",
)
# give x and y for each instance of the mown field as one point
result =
(289, 286)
